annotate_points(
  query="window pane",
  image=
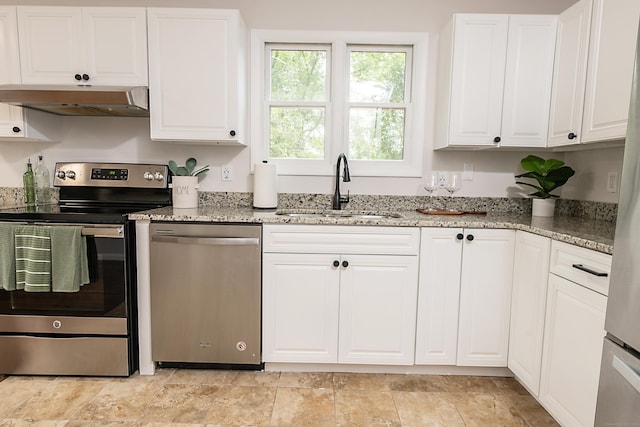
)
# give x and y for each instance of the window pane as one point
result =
(376, 133)
(298, 75)
(297, 133)
(377, 77)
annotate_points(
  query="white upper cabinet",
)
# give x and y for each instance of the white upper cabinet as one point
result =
(17, 123)
(612, 48)
(593, 71)
(72, 45)
(197, 75)
(568, 75)
(494, 80)
(9, 55)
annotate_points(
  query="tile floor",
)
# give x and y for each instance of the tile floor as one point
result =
(238, 398)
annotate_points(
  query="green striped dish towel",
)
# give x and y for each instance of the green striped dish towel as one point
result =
(33, 258)
(69, 262)
(7, 257)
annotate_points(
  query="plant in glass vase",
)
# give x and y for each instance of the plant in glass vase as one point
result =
(548, 175)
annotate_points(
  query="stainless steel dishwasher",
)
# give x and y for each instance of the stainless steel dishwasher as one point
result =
(205, 294)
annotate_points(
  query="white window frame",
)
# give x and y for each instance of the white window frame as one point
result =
(336, 133)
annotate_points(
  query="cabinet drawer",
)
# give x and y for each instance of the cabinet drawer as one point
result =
(341, 239)
(583, 266)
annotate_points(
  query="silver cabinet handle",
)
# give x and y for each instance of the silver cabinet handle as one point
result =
(213, 241)
(627, 372)
(590, 271)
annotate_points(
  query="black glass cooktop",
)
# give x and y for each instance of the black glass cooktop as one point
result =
(72, 214)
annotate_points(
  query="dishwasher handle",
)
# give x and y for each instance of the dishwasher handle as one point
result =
(211, 241)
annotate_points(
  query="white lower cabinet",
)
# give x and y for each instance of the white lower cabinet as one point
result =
(528, 302)
(464, 297)
(438, 296)
(485, 297)
(574, 331)
(339, 294)
(378, 309)
(301, 294)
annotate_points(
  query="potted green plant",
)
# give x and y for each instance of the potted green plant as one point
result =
(548, 174)
(185, 183)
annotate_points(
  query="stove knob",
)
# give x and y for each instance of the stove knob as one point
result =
(70, 174)
(148, 176)
(158, 176)
(61, 174)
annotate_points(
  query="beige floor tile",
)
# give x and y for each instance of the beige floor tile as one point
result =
(252, 378)
(9, 422)
(361, 382)
(103, 424)
(14, 393)
(241, 406)
(365, 408)
(304, 407)
(531, 410)
(184, 403)
(509, 386)
(306, 379)
(198, 376)
(427, 409)
(469, 384)
(484, 409)
(119, 401)
(430, 383)
(57, 400)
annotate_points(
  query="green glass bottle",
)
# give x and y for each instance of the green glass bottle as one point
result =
(28, 179)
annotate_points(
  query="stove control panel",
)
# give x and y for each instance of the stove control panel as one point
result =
(130, 175)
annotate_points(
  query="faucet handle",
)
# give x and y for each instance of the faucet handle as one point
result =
(345, 199)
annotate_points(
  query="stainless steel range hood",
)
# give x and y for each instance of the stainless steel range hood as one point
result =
(79, 100)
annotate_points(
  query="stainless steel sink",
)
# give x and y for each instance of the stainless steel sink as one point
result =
(303, 213)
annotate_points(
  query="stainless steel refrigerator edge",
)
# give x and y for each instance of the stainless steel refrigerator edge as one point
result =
(619, 389)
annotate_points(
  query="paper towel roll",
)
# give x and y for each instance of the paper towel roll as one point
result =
(265, 193)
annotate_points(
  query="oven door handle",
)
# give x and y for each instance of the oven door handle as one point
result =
(106, 232)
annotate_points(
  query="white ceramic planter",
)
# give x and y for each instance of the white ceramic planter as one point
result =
(543, 207)
(185, 191)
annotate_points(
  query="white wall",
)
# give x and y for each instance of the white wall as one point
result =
(127, 139)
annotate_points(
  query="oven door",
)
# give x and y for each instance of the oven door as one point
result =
(104, 299)
(76, 333)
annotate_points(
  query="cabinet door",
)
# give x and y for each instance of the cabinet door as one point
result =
(528, 301)
(115, 49)
(527, 85)
(300, 308)
(10, 116)
(438, 296)
(569, 74)
(194, 74)
(479, 55)
(574, 331)
(378, 309)
(9, 55)
(485, 297)
(612, 50)
(50, 44)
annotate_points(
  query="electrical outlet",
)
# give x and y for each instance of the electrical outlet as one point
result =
(612, 182)
(226, 173)
(467, 174)
(442, 179)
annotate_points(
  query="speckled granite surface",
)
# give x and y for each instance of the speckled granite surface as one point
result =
(583, 223)
(589, 233)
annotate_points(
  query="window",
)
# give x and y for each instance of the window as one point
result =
(318, 96)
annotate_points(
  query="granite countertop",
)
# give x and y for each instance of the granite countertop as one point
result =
(588, 233)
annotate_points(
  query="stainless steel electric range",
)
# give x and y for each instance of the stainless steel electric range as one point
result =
(91, 331)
